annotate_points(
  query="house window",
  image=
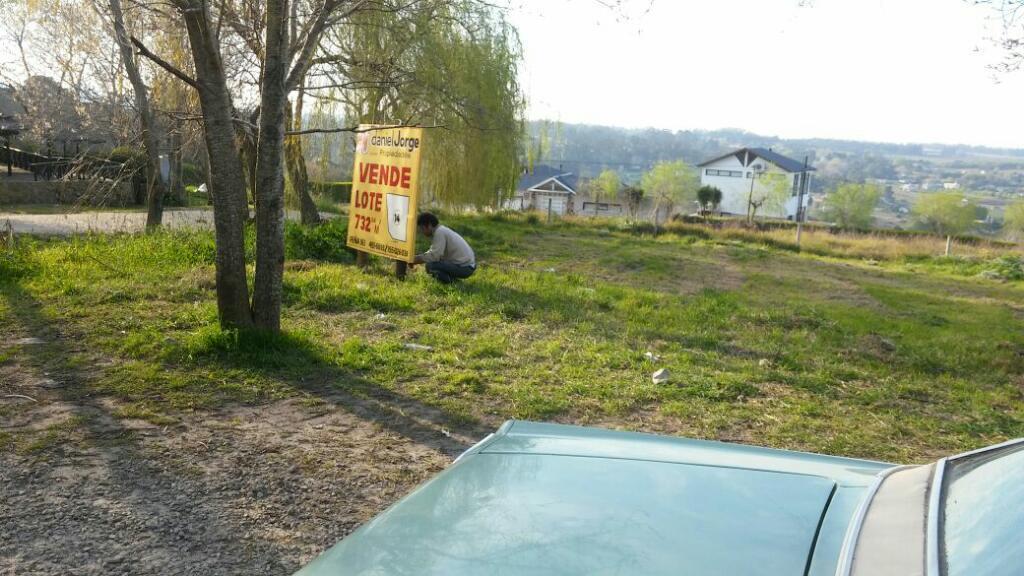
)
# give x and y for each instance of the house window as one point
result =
(730, 173)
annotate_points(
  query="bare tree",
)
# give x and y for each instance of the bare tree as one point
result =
(154, 183)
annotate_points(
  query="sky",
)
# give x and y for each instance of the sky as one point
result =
(876, 70)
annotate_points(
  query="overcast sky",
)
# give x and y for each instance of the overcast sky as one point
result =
(878, 70)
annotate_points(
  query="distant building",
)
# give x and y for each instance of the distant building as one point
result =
(545, 187)
(950, 185)
(733, 174)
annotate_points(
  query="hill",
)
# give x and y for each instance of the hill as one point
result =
(588, 149)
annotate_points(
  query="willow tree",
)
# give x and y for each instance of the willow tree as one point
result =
(670, 184)
(456, 70)
(608, 182)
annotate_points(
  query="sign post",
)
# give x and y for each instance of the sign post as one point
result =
(385, 193)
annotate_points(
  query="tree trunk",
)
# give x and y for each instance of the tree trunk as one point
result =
(226, 180)
(154, 183)
(296, 162)
(177, 186)
(247, 138)
(266, 304)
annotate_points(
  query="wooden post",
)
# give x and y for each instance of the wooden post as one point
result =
(401, 268)
(549, 210)
(362, 259)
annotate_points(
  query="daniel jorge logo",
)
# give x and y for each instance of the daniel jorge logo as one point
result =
(395, 140)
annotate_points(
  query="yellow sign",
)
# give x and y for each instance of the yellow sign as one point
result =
(385, 190)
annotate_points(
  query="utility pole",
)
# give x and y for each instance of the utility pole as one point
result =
(800, 202)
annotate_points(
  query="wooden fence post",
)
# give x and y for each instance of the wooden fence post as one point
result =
(362, 259)
(401, 268)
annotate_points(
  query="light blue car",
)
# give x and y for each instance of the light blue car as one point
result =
(543, 499)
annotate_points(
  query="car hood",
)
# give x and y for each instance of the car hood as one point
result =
(539, 499)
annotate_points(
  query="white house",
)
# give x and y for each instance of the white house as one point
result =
(739, 172)
(544, 188)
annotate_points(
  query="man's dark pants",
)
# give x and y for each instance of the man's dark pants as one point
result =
(446, 272)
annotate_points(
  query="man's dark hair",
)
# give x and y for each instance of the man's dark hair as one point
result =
(427, 219)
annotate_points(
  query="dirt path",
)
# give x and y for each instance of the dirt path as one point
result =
(243, 490)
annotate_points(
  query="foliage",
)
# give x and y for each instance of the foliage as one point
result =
(1013, 220)
(608, 183)
(709, 197)
(538, 144)
(133, 158)
(634, 196)
(192, 175)
(852, 205)
(769, 191)
(670, 184)
(1008, 268)
(945, 213)
(326, 242)
(456, 67)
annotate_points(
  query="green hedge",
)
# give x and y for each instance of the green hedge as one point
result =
(326, 242)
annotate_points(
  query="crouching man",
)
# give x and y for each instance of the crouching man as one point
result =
(450, 258)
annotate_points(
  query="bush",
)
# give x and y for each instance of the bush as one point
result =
(325, 242)
(132, 158)
(1006, 268)
(192, 174)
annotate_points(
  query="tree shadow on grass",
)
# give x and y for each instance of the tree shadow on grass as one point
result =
(307, 366)
(123, 503)
(171, 513)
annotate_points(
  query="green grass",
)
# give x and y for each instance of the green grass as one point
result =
(902, 359)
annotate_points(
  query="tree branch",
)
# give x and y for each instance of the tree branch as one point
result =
(143, 51)
(358, 130)
(312, 39)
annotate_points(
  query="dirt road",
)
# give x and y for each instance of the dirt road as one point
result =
(242, 490)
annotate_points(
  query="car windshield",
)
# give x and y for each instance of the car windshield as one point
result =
(984, 514)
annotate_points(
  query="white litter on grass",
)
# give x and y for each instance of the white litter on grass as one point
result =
(27, 341)
(413, 346)
(651, 356)
(661, 376)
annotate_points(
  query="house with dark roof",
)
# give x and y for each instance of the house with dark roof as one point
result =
(742, 175)
(543, 188)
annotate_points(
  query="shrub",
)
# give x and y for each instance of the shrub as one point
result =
(132, 158)
(325, 242)
(191, 174)
(1006, 268)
